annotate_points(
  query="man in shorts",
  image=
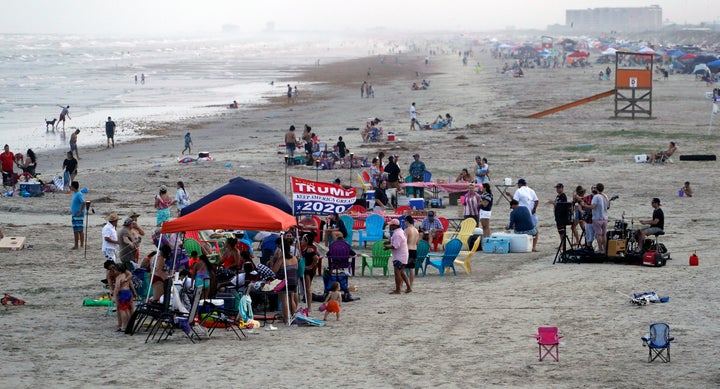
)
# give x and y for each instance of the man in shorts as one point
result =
(413, 237)
(110, 132)
(63, 114)
(399, 247)
(73, 143)
(78, 208)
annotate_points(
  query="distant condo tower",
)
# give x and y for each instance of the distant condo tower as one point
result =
(614, 19)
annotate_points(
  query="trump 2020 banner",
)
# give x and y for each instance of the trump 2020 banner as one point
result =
(320, 198)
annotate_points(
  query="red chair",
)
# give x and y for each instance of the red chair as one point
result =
(358, 224)
(356, 209)
(439, 237)
(402, 209)
(548, 341)
(320, 224)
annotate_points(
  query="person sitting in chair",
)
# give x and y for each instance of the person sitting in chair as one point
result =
(309, 226)
(663, 155)
(335, 229)
(430, 227)
(655, 225)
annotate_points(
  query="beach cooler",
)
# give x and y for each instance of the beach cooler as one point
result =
(496, 245)
(641, 158)
(519, 243)
(417, 203)
(403, 200)
(370, 198)
(34, 188)
(391, 136)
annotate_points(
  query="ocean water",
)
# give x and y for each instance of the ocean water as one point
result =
(95, 76)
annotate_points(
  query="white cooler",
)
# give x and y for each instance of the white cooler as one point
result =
(519, 243)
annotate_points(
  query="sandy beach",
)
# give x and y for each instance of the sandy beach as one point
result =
(452, 331)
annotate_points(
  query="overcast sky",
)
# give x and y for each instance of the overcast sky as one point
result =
(155, 17)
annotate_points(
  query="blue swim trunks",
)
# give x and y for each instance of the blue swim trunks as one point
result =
(77, 223)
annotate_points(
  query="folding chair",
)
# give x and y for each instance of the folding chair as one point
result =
(548, 342)
(658, 342)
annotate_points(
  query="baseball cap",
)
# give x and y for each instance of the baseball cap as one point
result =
(394, 222)
(656, 200)
(128, 221)
(559, 185)
(521, 182)
(416, 155)
(431, 213)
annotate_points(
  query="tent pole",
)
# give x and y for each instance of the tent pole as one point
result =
(152, 274)
(287, 291)
(175, 251)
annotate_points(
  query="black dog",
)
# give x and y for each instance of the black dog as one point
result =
(50, 123)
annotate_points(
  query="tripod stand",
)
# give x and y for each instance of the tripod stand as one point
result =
(561, 253)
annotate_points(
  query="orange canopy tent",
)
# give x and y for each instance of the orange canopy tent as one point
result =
(232, 213)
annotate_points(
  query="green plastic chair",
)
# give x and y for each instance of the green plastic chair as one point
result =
(380, 259)
(190, 245)
(423, 248)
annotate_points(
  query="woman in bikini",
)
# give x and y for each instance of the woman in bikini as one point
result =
(124, 296)
(231, 255)
(291, 267)
(158, 279)
(163, 202)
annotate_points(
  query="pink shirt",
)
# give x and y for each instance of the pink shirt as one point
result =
(399, 244)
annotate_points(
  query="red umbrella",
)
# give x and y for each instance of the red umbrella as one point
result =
(578, 54)
(688, 56)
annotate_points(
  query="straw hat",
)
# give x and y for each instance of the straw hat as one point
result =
(113, 217)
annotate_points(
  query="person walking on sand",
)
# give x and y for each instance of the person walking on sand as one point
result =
(63, 114)
(362, 89)
(333, 301)
(289, 94)
(188, 143)
(413, 117)
(78, 207)
(110, 132)
(73, 143)
(398, 245)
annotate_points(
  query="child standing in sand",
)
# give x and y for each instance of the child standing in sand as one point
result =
(188, 142)
(124, 295)
(333, 300)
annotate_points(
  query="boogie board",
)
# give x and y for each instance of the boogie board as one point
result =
(302, 319)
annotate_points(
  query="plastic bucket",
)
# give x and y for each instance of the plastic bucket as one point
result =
(391, 136)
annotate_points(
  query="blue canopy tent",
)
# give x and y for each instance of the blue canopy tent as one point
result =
(249, 189)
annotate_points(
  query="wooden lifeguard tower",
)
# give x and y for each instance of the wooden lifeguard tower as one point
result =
(633, 84)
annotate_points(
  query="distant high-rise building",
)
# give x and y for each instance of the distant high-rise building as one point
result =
(630, 19)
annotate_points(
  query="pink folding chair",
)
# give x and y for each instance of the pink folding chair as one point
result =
(548, 341)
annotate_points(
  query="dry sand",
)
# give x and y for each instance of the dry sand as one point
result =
(464, 331)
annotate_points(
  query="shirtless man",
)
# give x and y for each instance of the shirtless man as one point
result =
(662, 156)
(73, 143)
(413, 237)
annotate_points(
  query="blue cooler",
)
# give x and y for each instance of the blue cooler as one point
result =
(496, 245)
(417, 204)
(34, 188)
(370, 198)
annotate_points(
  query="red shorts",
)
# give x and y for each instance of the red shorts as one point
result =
(333, 307)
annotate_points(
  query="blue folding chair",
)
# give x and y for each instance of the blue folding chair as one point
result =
(658, 342)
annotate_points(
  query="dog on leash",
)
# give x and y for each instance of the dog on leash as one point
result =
(49, 123)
